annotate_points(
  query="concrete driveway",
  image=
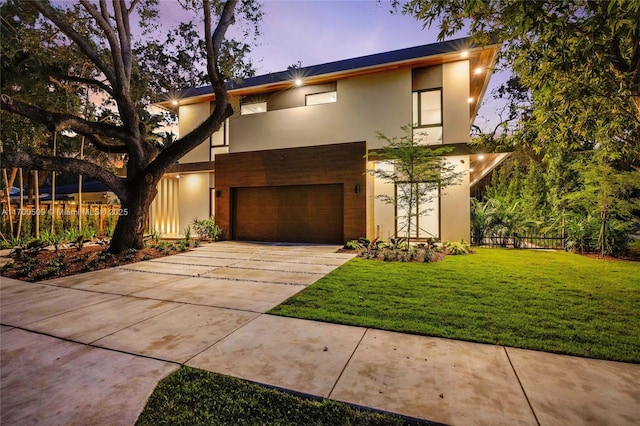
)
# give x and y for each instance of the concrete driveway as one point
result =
(90, 349)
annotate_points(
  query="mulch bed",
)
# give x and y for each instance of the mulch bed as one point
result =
(48, 264)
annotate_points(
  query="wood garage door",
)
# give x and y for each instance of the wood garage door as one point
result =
(299, 213)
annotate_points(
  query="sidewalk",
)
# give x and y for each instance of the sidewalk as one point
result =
(89, 349)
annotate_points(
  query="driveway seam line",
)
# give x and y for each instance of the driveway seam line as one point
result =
(366, 330)
(257, 281)
(88, 345)
(222, 338)
(259, 260)
(521, 386)
(204, 305)
(168, 273)
(180, 304)
(67, 311)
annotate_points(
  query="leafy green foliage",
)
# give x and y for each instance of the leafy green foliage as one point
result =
(397, 250)
(207, 228)
(457, 247)
(187, 234)
(611, 196)
(579, 60)
(191, 396)
(352, 245)
(550, 301)
(593, 202)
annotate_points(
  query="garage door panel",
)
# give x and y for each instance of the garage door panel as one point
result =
(297, 213)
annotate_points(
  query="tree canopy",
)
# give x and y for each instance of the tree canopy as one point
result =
(579, 59)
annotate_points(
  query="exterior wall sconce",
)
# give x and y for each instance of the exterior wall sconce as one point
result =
(357, 188)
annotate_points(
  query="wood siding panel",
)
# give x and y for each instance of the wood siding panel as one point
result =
(336, 164)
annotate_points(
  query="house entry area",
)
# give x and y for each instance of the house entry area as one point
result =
(296, 213)
(302, 195)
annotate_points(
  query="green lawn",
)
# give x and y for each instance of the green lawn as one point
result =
(196, 397)
(549, 301)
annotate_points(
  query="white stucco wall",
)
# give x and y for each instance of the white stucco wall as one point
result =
(384, 215)
(189, 117)
(194, 198)
(455, 221)
(455, 102)
(380, 102)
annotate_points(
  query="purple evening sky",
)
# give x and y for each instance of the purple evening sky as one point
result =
(320, 31)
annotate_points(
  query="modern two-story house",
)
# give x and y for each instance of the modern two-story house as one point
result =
(291, 163)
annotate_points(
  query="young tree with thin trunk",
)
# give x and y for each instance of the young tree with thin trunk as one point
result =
(608, 196)
(92, 45)
(419, 172)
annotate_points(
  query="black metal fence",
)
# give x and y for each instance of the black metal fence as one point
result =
(524, 241)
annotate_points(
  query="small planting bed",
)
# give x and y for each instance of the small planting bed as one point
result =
(51, 263)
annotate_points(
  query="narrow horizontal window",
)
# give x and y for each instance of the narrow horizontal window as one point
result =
(321, 98)
(253, 108)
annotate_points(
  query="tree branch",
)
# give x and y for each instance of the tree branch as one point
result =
(124, 34)
(84, 44)
(222, 109)
(132, 6)
(108, 147)
(213, 45)
(120, 44)
(61, 121)
(86, 81)
(69, 165)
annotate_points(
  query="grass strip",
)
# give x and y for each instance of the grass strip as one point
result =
(195, 397)
(550, 301)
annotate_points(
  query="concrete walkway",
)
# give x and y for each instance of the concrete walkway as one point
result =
(90, 349)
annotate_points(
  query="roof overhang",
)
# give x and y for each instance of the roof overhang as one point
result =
(482, 58)
(480, 165)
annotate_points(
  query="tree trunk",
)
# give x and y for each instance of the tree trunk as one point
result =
(21, 213)
(601, 237)
(133, 218)
(8, 190)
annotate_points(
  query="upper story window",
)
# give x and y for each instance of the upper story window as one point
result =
(321, 98)
(427, 116)
(253, 108)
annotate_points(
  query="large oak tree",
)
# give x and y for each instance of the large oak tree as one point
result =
(87, 51)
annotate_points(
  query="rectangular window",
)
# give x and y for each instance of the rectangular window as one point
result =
(424, 217)
(427, 116)
(253, 108)
(321, 98)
